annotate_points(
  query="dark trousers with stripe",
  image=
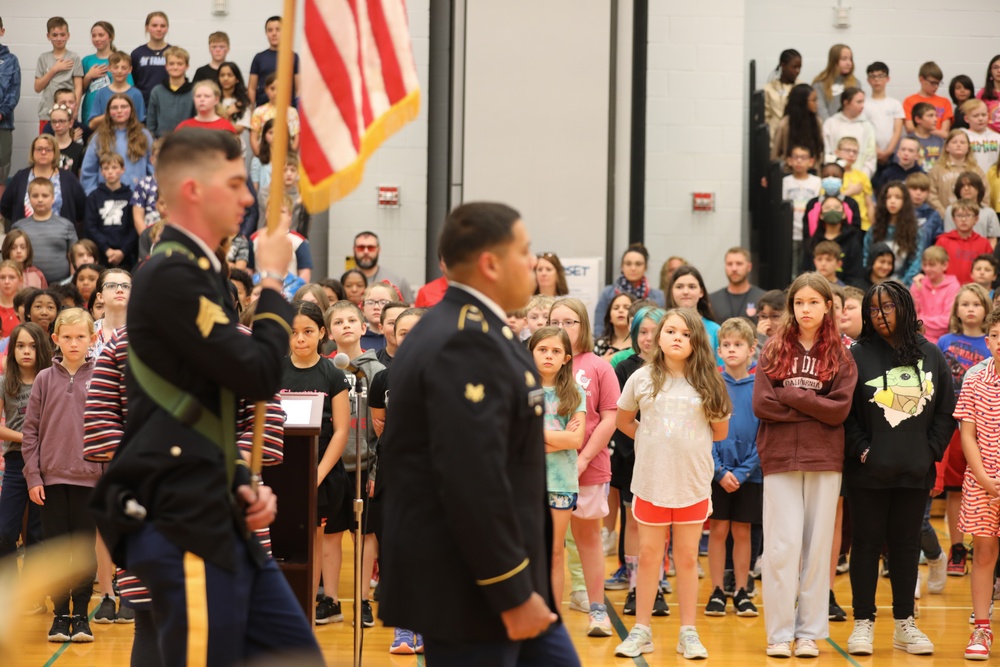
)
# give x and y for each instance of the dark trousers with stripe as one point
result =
(553, 648)
(206, 615)
(65, 514)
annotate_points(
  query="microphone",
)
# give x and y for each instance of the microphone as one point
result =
(343, 362)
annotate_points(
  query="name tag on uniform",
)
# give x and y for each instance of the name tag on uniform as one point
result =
(536, 401)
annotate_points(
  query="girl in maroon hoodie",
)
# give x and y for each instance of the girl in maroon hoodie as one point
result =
(802, 396)
(58, 478)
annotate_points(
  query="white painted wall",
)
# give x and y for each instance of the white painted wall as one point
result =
(536, 116)
(401, 160)
(694, 131)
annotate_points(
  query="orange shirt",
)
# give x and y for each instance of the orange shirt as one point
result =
(941, 104)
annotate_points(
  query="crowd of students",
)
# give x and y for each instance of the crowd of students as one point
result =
(754, 412)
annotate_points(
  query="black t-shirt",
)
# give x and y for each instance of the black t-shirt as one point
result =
(378, 390)
(205, 73)
(384, 357)
(323, 377)
(71, 158)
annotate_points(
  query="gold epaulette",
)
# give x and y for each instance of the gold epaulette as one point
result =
(472, 314)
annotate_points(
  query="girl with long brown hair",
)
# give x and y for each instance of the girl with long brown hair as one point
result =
(119, 132)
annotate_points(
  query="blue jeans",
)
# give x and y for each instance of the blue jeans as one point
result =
(929, 543)
(13, 500)
(553, 648)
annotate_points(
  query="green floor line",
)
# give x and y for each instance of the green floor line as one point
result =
(62, 649)
(619, 627)
(842, 652)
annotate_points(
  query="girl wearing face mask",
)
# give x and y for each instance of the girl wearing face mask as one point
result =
(834, 216)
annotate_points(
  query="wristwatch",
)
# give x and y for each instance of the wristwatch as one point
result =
(272, 274)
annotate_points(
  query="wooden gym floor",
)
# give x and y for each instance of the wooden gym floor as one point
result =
(730, 640)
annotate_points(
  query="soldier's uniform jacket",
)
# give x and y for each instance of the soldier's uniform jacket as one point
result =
(467, 532)
(183, 327)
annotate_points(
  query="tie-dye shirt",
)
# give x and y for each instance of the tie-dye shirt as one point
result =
(560, 466)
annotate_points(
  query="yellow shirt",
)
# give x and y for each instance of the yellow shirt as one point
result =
(855, 176)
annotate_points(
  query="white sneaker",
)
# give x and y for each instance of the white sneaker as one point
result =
(907, 637)
(916, 590)
(937, 574)
(671, 570)
(862, 639)
(639, 641)
(780, 650)
(610, 541)
(689, 645)
(578, 601)
(806, 648)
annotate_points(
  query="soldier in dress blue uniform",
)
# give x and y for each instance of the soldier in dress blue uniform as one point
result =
(175, 505)
(466, 547)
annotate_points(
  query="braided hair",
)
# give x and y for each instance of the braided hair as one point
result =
(905, 339)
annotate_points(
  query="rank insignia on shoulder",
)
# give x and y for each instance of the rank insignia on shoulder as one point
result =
(472, 314)
(529, 379)
(507, 333)
(209, 314)
(475, 393)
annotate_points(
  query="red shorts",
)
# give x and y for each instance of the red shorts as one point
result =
(954, 463)
(653, 515)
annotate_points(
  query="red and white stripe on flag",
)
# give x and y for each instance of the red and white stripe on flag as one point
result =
(359, 86)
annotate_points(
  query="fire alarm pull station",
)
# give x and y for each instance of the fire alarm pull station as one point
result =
(388, 196)
(703, 202)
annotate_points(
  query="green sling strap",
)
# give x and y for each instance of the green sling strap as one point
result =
(182, 405)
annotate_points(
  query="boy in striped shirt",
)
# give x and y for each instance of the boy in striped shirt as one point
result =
(978, 411)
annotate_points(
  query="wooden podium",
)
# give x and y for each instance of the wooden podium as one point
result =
(293, 532)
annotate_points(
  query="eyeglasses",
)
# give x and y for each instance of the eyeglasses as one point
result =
(365, 248)
(933, 82)
(564, 324)
(43, 149)
(376, 302)
(114, 287)
(887, 307)
(878, 76)
(849, 151)
(964, 216)
(59, 122)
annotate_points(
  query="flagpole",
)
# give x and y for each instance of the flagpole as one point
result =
(279, 153)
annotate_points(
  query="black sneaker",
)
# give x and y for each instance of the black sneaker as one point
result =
(729, 583)
(81, 630)
(367, 618)
(328, 611)
(660, 606)
(125, 613)
(106, 611)
(837, 613)
(59, 632)
(716, 603)
(743, 605)
(629, 608)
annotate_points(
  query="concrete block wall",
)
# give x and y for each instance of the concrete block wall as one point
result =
(694, 132)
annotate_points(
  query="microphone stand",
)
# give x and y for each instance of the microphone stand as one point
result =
(342, 362)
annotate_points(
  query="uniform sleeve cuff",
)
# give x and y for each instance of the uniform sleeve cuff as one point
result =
(508, 590)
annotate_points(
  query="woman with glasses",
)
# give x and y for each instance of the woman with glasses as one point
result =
(43, 162)
(898, 427)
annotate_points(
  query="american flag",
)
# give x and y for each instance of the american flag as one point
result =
(359, 86)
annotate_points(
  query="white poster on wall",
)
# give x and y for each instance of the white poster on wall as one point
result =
(585, 279)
